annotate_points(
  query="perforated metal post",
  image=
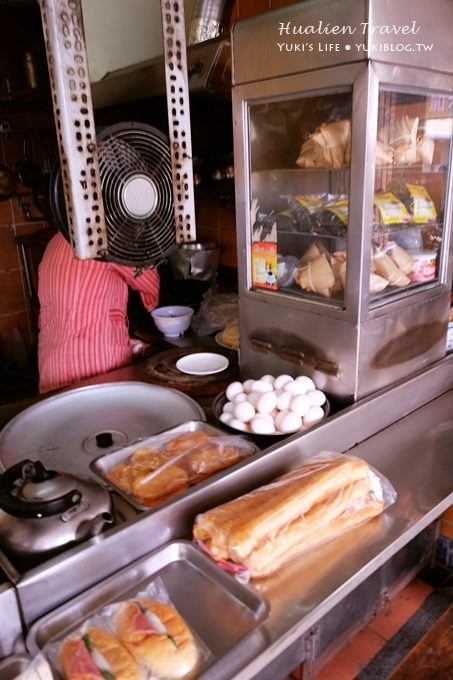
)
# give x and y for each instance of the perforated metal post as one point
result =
(76, 135)
(175, 56)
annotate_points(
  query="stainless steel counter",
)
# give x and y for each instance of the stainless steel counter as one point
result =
(406, 432)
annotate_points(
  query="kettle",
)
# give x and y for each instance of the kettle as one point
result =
(43, 510)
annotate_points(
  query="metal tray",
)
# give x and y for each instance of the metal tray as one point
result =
(103, 464)
(223, 613)
(12, 667)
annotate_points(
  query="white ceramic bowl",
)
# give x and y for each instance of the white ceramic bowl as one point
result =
(173, 320)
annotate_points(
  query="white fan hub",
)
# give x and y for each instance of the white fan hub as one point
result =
(139, 195)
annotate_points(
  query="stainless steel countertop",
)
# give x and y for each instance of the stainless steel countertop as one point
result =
(406, 432)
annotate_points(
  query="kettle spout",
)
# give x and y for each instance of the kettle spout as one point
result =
(94, 526)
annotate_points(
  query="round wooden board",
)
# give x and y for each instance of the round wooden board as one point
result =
(160, 369)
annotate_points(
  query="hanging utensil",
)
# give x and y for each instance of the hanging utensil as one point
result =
(27, 171)
(41, 192)
(8, 183)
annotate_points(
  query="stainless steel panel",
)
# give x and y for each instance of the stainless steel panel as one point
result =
(277, 51)
(11, 630)
(13, 666)
(386, 349)
(45, 587)
(102, 465)
(61, 431)
(223, 613)
(296, 38)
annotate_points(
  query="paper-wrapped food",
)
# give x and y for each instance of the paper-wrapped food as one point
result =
(316, 502)
(401, 135)
(317, 276)
(328, 147)
(386, 267)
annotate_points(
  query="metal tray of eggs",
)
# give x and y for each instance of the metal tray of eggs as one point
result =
(271, 405)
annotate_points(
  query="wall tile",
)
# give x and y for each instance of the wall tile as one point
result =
(7, 323)
(6, 212)
(9, 256)
(248, 8)
(281, 3)
(12, 297)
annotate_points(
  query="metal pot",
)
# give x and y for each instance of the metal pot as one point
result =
(43, 510)
(197, 261)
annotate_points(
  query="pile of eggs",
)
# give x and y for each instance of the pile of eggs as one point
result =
(273, 405)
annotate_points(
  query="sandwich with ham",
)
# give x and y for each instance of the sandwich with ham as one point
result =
(158, 638)
(97, 654)
(314, 503)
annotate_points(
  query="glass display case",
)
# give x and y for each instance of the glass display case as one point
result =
(343, 186)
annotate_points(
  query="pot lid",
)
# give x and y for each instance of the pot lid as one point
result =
(67, 431)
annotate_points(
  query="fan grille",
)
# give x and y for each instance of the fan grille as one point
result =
(136, 181)
(137, 191)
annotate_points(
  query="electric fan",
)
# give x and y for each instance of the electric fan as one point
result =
(136, 182)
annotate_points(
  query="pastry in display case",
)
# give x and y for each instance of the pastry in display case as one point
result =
(343, 182)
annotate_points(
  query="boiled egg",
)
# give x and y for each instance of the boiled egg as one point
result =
(248, 385)
(316, 397)
(233, 389)
(306, 382)
(266, 402)
(283, 400)
(300, 404)
(268, 378)
(262, 425)
(288, 421)
(226, 417)
(244, 411)
(261, 386)
(281, 380)
(238, 425)
(314, 415)
(294, 387)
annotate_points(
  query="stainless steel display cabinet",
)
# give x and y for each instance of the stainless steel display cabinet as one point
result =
(343, 117)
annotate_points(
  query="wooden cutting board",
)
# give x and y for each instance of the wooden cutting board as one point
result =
(160, 369)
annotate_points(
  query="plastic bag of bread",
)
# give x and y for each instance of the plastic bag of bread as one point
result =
(94, 652)
(156, 635)
(316, 502)
(164, 465)
(140, 638)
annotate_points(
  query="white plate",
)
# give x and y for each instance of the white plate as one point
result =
(202, 363)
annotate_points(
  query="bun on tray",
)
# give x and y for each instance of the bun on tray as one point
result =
(310, 505)
(154, 475)
(158, 637)
(97, 650)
